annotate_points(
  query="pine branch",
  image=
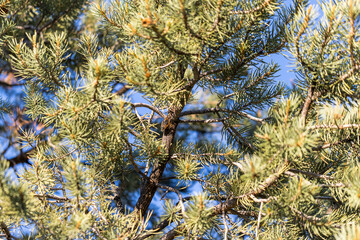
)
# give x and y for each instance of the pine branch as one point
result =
(6, 231)
(168, 128)
(232, 131)
(166, 221)
(122, 90)
(258, 221)
(350, 73)
(233, 202)
(244, 213)
(313, 219)
(186, 23)
(166, 65)
(329, 145)
(132, 160)
(222, 43)
(149, 107)
(311, 174)
(214, 120)
(306, 105)
(42, 196)
(217, 19)
(214, 110)
(157, 229)
(170, 235)
(50, 23)
(325, 126)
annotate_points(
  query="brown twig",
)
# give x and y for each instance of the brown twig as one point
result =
(311, 174)
(306, 105)
(325, 126)
(214, 110)
(149, 107)
(40, 196)
(214, 120)
(6, 231)
(122, 90)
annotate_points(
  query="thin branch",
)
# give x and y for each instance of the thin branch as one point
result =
(311, 174)
(54, 20)
(181, 202)
(264, 200)
(189, 84)
(243, 141)
(52, 197)
(167, 43)
(166, 65)
(334, 126)
(291, 174)
(329, 145)
(225, 226)
(218, 11)
(170, 235)
(348, 74)
(232, 131)
(214, 71)
(258, 221)
(333, 185)
(306, 105)
(140, 119)
(162, 224)
(199, 111)
(62, 156)
(233, 202)
(25, 27)
(186, 23)
(214, 110)
(132, 160)
(122, 90)
(312, 219)
(203, 120)
(149, 107)
(325, 198)
(98, 234)
(242, 213)
(177, 155)
(157, 228)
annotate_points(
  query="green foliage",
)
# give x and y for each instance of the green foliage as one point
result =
(138, 104)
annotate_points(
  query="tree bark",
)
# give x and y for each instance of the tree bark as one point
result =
(168, 128)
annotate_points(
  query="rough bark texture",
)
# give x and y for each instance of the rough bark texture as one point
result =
(148, 191)
(6, 231)
(168, 128)
(306, 106)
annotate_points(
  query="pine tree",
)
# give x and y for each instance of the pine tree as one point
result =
(157, 119)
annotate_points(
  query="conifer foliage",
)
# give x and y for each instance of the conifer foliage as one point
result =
(164, 119)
